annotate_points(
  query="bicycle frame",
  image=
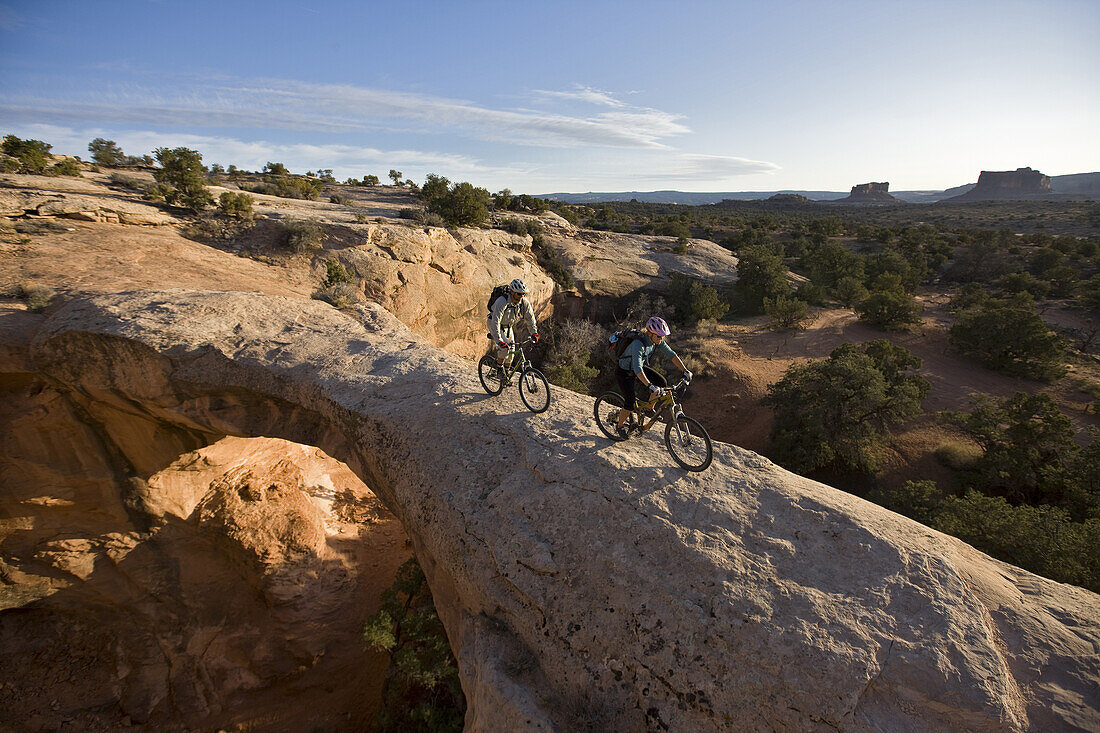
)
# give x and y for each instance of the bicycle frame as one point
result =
(519, 366)
(665, 403)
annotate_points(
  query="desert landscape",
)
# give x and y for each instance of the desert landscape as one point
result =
(226, 434)
(318, 324)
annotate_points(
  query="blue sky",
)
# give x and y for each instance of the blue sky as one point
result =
(570, 96)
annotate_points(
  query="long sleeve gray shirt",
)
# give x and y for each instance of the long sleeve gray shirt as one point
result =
(505, 313)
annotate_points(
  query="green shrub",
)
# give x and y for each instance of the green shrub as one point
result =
(826, 263)
(786, 313)
(336, 273)
(421, 691)
(303, 235)
(290, 187)
(835, 411)
(891, 310)
(850, 291)
(337, 198)
(1026, 445)
(236, 205)
(919, 500)
(463, 204)
(970, 295)
(1009, 336)
(1042, 539)
(811, 294)
(107, 152)
(1023, 282)
(694, 301)
(675, 228)
(66, 167)
(33, 156)
(1089, 294)
(760, 274)
(182, 177)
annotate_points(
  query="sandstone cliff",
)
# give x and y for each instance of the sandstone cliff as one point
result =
(586, 584)
(608, 266)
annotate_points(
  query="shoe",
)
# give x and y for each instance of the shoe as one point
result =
(622, 431)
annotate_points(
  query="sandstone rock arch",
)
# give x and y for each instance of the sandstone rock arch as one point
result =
(589, 585)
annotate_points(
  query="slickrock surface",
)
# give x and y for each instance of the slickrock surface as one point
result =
(436, 280)
(611, 265)
(584, 584)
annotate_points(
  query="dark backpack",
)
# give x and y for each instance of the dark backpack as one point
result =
(620, 340)
(498, 291)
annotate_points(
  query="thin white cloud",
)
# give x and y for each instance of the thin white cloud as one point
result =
(293, 105)
(583, 94)
(703, 168)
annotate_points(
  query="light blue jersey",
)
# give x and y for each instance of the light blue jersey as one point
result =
(637, 354)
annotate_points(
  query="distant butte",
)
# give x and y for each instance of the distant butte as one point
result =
(995, 185)
(870, 193)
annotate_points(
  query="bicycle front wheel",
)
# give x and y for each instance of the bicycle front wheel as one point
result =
(490, 374)
(606, 411)
(688, 443)
(534, 390)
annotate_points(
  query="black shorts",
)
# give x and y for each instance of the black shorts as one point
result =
(629, 384)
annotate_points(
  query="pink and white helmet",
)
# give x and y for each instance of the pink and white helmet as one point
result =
(658, 326)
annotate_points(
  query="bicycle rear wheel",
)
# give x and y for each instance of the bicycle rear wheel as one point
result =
(688, 443)
(490, 374)
(606, 411)
(534, 390)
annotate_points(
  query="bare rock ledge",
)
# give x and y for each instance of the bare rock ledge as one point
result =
(586, 585)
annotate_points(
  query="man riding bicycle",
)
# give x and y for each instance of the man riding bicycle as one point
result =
(632, 368)
(505, 311)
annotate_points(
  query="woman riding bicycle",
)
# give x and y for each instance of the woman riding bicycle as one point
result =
(632, 368)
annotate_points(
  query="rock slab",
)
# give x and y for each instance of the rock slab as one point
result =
(590, 585)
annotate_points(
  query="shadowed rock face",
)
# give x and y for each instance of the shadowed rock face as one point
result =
(1001, 185)
(585, 584)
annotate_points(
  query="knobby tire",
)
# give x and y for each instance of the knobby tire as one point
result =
(691, 447)
(534, 390)
(492, 378)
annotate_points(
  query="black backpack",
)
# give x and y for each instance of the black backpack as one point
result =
(620, 340)
(498, 291)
